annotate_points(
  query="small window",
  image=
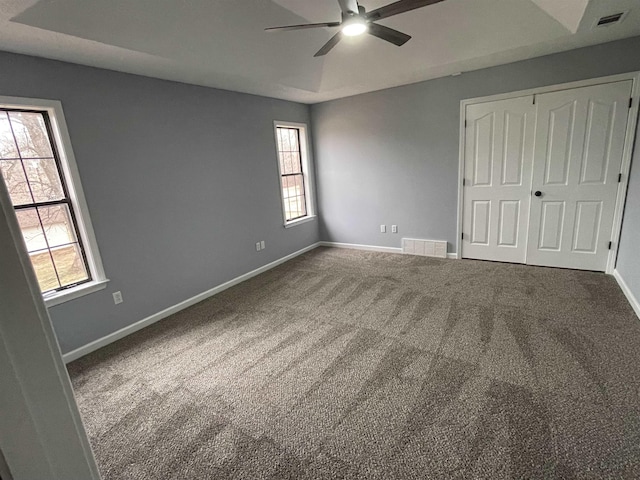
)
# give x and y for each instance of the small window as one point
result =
(45, 198)
(293, 164)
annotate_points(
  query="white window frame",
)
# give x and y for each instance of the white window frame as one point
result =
(76, 195)
(307, 172)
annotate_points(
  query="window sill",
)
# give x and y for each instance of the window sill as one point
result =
(76, 292)
(293, 223)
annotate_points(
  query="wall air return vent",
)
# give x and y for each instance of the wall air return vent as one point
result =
(610, 19)
(425, 248)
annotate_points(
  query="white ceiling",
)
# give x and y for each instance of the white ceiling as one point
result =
(221, 43)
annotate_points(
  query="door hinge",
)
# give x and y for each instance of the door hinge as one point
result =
(630, 102)
(619, 177)
(462, 236)
(464, 182)
(610, 245)
(534, 100)
(465, 123)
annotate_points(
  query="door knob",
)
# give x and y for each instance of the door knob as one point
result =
(538, 193)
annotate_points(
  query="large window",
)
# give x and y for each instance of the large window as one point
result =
(293, 163)
(40, 185)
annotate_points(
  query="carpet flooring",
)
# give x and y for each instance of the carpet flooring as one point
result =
(344, 364)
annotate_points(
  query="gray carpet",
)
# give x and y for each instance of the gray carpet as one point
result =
(363, 365)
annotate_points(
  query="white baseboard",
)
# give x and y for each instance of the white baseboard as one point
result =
(356, 246)
(635, 304)
(128, 330)
(372, 248)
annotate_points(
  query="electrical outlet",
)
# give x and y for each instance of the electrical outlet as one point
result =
(257, 246)
(117, 297)
(383, 229)
(262, 246)
(394, 228)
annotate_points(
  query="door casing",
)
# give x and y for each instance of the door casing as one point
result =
(626, 156)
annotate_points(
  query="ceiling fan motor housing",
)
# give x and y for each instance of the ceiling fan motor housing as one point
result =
(349, 15)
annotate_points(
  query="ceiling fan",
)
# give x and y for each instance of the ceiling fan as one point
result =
(356, 20)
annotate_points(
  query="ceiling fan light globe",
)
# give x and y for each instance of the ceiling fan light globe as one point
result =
(353, 28)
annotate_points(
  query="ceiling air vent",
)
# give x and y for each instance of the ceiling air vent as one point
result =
(610, 19)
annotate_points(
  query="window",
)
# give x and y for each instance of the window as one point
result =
(47, 200)
(293, 164)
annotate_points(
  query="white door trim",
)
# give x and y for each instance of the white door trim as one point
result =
(41, 431)
(626, 157)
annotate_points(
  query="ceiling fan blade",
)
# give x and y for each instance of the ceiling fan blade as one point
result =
(348, 6)
(388, 34)
(302, 27)
(333, 41)
(398, 7)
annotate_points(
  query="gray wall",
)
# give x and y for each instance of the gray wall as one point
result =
(628, 265)
(181, 181)
(391, 157)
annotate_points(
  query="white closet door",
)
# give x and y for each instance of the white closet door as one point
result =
(498, 159)
(578, 152)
